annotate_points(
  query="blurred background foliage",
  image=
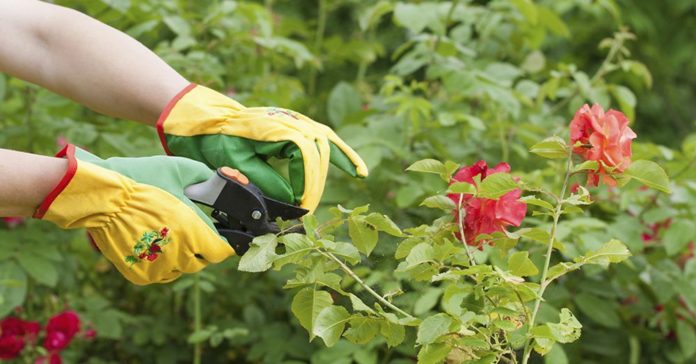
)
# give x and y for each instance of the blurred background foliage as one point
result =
(400, 81)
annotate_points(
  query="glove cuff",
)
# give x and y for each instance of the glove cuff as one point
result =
(69, 151)
(86, 196)
(165, 114)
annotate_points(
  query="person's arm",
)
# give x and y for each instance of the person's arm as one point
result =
(80, 58)
(25, 180)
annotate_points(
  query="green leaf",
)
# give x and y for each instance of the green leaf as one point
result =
(427, 166)
(528, 9)
(348, 251)
(650, 174)
(586, 165)
(556, 356)
(552, 22)
(687, 338)
(260, 255)
(359, 305)
(330, 323)
(433, 353)
(297, 247)
(678, 235)
(462, 187)
(362, 329)
(363, 235)
(567, 330)
(199, 336)
(178, 25)
(433, 327)
(393, 333)
(371, 16)
(519, 264)
(420, 253)
(439, 202)
(306, 306)
(426, 301)
(39, 268)
(598, 310)
(344, 100)
(530, 200)
(551, 148)
(626, 99)
(496, 185)
(612, 251)
(13, 287)
(383, 223)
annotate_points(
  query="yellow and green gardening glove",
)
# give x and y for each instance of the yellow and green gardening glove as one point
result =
(136, 212)
(207, 126)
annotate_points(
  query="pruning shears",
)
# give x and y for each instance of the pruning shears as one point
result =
(240, 209)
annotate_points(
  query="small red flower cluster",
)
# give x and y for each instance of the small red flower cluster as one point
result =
(604, 137)
(483, 215)
(59, 333)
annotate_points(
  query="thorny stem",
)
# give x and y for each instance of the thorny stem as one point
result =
(543, 284)
(460, 212)
(369, 289)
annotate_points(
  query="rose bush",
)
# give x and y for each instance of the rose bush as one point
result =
(442, 84)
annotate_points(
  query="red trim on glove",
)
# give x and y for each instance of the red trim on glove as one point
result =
(67, 152)
(165, 114)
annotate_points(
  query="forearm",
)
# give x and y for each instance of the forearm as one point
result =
(25, 180)
(85, 60)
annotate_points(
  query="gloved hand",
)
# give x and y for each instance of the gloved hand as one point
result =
(136, 212)
(204, 125)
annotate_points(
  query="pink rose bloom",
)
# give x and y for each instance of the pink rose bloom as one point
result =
(483, 215)
(13, 222)
(605, 138)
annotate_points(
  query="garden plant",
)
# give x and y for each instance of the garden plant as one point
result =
(531, 195)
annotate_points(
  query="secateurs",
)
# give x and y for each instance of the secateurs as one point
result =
(240, 209)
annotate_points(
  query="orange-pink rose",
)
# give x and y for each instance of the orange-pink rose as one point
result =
(604, 137)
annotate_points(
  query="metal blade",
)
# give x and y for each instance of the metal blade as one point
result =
(283, 210)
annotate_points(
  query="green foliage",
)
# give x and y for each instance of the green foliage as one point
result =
(430, 85)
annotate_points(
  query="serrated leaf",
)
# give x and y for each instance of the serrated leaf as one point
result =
(686, 337)
(359, 305)
(348, 251)
(297, 246)
(427, 166)
(393, 333)
(362, 329)
(439, 202)
(383, 223)
(363, 235)
(462, 187)
(433, 327)
(433, 353)
(588, 165)
(530, 200)
(678, 235)
(307, 304)
(496, 185)
(650, 174)
(551, 148)
(261, 254)
(330, 323)
(519, 264)
(612, 251)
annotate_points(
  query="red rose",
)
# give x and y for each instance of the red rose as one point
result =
(53, 358)
(154, 248)
(15, 334)
(152, 256)
(605, 138)
(164, 232)
(90, 334)
(142, 255)
(10, 346)
(483, 215)
(60, 330)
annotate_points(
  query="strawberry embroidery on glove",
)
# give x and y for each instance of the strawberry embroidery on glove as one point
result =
(149, 247)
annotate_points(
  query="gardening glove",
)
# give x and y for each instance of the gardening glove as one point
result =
(136, 212)
(207, 126)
